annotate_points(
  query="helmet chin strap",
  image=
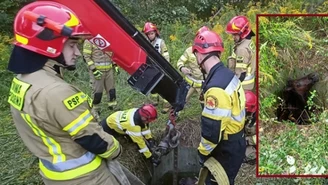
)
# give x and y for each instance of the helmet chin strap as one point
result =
(238, 40)
(60, 59)
(71, 67)
(203, 61)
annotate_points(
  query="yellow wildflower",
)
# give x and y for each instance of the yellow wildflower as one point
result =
(283, 10)
(261, 169)
(308, 36)
(263, 20)
(274, 51)
(295, 11)
(218, 29)
(173, 37)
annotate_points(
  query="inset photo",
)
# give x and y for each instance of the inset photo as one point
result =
(293, 95)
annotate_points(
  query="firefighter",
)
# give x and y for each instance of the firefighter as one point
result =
(242, 61)
(223, 116)
(152, 33)
(187, 65)
(250, 127)
(134, 123)
(51, 116)
(101, 69)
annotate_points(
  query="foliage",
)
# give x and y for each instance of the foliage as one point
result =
(288, 48)
(5, 75)
(8, 9)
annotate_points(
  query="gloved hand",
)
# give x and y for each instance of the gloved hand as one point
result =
(172, 116)
(242, 76)
(97, 74)
(151, 143)
(155, 161)
(202, 158)
(116, 68)
(185, 70)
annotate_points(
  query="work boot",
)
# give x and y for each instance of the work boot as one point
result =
(250, 150)
(251, 140)
(95, 111)
(250, 155)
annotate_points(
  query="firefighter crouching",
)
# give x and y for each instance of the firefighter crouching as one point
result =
(223, 116)
(101, 71)
(250, 127)
(187, 64)
(152, 33)
(135, 123)
(242, 61)
(53, 117)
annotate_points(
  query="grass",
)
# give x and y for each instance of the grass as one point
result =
(306, 144)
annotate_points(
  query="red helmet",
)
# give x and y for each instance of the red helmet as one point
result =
(251, 101)
(150, 27)
(202, 29)
(149, 112)
(239, 25)
(207, 41)
(45, 41)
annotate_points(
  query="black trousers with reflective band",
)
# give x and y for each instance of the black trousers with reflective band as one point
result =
(230, 154)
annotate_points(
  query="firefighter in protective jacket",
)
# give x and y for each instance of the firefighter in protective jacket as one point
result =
(242, 61)
(153, 36)
(223, 116)
(187, 64)
(152, 33)
(53, 117)
(134, 123)
(101, 75)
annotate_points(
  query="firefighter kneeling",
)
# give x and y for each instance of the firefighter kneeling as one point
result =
(250, 127)
(135, 123)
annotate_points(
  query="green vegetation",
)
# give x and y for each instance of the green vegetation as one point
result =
(291, 47)
(288, 46)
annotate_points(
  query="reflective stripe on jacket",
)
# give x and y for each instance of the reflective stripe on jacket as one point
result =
(224, 111)
(50, 115)
(96, 58)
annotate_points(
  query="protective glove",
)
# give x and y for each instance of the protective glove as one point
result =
(97, 74)
(151, 144)
(202, 158)
(242, 76)
(185, 70)
(155, 161)
(116, 68)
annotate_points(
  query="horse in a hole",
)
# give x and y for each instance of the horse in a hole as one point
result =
(295, 96)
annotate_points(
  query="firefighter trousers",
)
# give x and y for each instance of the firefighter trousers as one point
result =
(230, 154)
(191, 91)
(107, 83)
